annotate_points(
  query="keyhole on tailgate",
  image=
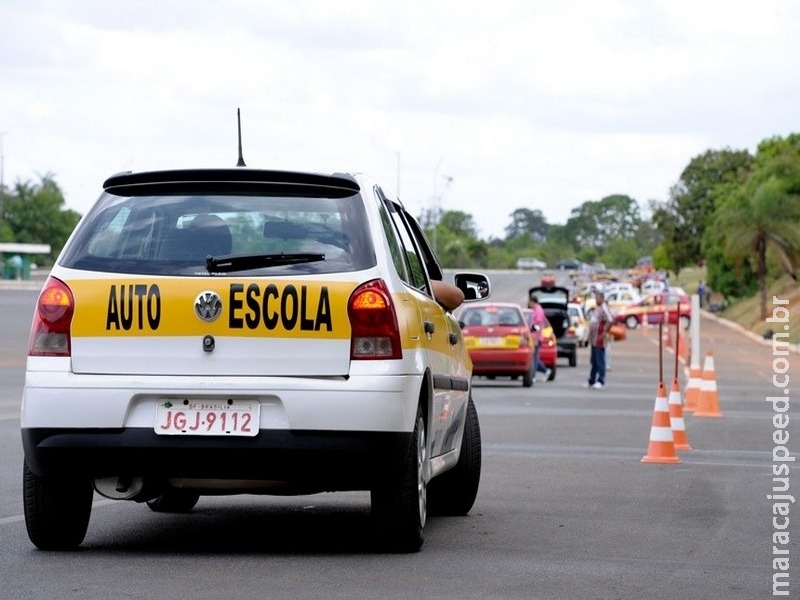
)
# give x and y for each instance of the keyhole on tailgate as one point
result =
(208, 343)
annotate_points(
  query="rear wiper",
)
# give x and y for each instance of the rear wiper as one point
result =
(245, 262)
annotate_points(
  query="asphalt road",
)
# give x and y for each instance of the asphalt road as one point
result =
(566, 508)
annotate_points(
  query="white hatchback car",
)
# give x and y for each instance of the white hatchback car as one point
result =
(652, 286)
(229, 331)
(579, 322)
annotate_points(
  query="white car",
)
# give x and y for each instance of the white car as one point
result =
(580, 323)
(651, 286)
(531, 263)
(231, 331)
(620, 299)
(621, 286)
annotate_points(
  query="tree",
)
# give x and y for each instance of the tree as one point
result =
(620, 253)
(35, 214)
(455, 238)
(762, 216)
(459, 223)
(683, 219)
(595, 223)
(527, 221)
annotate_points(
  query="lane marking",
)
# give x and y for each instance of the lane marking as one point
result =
(17, 518)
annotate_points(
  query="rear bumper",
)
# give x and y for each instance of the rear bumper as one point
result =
(332, 460)
(548, 357)
(567, 348)
(501, 362)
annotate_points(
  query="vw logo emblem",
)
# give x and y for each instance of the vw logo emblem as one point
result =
(208, 306)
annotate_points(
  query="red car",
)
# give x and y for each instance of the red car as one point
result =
(549, 352)
(499, 340)
(652, 308)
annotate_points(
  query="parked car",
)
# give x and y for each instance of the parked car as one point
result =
(652, 309)
(531, 263)
(580, 323)
(621, 286)
(621, 298)
(572, 264)
(548, 353)
(547, 279)
(642, 270)
(650, 286)
(555, 302)
(499, 340)
(585, 296)
(245, 331)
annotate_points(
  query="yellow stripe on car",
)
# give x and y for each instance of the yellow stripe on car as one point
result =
(169, 307)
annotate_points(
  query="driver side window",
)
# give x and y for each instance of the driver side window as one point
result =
(408, 262)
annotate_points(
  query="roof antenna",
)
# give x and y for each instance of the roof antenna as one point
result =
(240, 163)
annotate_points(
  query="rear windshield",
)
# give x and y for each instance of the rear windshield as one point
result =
(552, 296)
(173, 234)
(492, 316)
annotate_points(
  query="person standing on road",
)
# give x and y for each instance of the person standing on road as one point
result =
(599, 323)
(537, 327)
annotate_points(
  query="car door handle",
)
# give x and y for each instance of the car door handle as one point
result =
(429, 327)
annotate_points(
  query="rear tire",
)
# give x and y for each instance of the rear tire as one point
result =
(400, 503)
(527, 379)
(552, 373)
(573, 359)
(174, 500)
(453, 493)
(57, 510)
(632, 322)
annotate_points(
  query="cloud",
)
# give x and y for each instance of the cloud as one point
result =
(535, 104)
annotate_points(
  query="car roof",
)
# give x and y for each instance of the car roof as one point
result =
(495, 305)
(548, 288)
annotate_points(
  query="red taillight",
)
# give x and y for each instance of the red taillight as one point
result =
(373, 323)
(51, 321)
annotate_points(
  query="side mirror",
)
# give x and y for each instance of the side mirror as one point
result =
(475, 286)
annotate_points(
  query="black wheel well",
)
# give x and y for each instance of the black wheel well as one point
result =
(425, 396)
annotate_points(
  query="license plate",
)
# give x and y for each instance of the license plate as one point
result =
(207, 417)
(491, 341)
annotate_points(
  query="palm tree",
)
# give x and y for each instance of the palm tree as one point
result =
(761, 217)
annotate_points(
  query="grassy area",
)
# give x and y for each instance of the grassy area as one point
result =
(747, 312)
(688, 279)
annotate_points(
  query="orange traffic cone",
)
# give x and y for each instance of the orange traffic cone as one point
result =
(708, 403)
(691, 395)
(676, 417)
(662, 445)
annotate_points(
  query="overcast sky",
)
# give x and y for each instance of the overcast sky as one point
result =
(492, 106)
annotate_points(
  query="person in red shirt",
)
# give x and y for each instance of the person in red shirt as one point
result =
(599, 323)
